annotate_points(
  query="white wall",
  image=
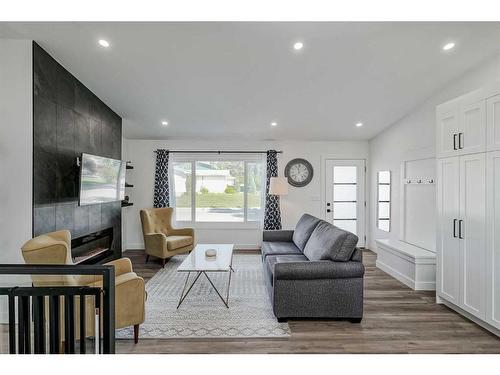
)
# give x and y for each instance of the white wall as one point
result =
(414, 137)
(297, 202)
(16, 150)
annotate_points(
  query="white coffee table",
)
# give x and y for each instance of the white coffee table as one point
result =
(197, 262)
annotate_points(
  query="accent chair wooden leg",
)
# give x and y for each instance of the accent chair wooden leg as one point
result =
(136, 333)
(163, 261)
(147, 257)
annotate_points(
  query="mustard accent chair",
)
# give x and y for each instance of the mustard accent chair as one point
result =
(130, 293)
(161, 240)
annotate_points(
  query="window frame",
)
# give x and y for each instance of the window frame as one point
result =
(193, 159)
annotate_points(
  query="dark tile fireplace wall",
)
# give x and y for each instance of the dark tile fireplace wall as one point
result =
(69, 119)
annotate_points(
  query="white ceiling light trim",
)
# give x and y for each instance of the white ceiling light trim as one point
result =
(103, 43)
(449, 46)
(297, 46)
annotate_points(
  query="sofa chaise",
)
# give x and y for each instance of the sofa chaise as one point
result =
(314, 271)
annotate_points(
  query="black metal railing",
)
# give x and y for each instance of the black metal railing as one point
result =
(33, 299)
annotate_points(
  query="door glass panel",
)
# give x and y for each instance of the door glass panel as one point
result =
(349, 225)
(344, 210)
(344, 192)
(344, 174)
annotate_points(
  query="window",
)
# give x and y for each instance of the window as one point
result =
(384, 201)
(218, 190)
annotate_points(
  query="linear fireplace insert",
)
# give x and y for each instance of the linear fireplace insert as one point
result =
(92, 248)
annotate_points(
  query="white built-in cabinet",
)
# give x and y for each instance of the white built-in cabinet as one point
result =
(493, 238)
(461, 129)
(493, 123)
(461, 232)
(448, 243)
(468, 205)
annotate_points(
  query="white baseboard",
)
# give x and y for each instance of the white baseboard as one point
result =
(135, 246)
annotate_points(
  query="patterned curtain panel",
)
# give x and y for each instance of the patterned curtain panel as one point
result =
(272, 215)
(162, 189)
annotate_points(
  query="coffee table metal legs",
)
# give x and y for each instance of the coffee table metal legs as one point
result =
(184, 295)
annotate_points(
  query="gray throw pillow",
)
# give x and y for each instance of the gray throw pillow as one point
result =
(328, 242)
(303, 230)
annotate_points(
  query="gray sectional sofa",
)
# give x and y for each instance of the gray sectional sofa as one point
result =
(314, 271)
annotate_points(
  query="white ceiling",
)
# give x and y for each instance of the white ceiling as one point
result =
(230, 80)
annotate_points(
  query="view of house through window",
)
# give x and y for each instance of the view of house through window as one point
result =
(218, 191)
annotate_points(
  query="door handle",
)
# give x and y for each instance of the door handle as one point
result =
(455, 141)
(460, 138)
(455, 228)
(460, 230)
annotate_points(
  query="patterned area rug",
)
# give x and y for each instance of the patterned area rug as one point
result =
(202, 314)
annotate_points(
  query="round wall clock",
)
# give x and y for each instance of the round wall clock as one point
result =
(299, 172)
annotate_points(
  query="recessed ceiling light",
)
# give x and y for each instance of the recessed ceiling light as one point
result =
(359, 124)
(103, 43)
(274, 123)
(298, 46)
(448, 46)
(164, 123)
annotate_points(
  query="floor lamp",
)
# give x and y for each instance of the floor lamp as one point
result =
(278, 186)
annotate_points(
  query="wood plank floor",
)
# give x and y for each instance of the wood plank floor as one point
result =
(396, 320)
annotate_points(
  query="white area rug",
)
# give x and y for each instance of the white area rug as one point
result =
(202, 314)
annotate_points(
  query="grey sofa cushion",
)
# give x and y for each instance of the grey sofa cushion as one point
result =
(357, 255)
(273, 259)
(279, 248)
(329, 242)
(304, 229)
(277, 235)
(320, 270)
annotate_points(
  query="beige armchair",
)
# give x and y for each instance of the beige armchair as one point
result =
(130, 294)
(160, 238)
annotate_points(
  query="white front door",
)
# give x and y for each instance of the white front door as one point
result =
(345, 196)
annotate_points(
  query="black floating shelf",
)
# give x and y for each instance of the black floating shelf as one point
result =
(130, 166)
(128, 185)
(127, 204)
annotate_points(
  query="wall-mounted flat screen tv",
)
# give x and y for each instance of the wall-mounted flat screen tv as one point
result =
(101, 180)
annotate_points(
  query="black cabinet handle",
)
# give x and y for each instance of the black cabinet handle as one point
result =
(455, 228)
(455, 141)
(460, 231)
(328, 210)
(460, 138)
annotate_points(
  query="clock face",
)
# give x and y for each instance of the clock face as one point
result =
(299, 172)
